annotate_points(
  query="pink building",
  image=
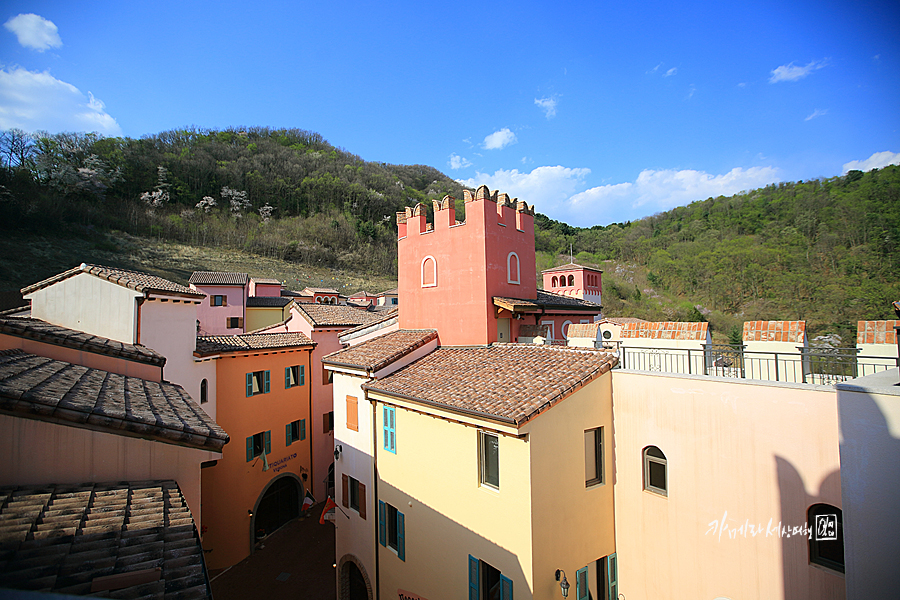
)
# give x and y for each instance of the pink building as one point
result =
(225, 308)
(264, 287)
(575, 281)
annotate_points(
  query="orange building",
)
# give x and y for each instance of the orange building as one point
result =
(264, 403)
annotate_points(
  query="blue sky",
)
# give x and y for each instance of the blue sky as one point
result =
(596, 112)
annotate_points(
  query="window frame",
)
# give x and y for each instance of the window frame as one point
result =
(662, 461)
(433, 272)
(389, 426)
(388, 514)
(295, 431)
(262, 380)
(814, 543)
(477, 572)
(294, 376)
(264, 439)
(234, 322)
(483, 460)
(596, 434)
(218, 300)
(517, 280)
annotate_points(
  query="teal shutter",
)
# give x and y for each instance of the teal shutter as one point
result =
(385, 426)
(268, 441)
(505, 588)
(266, 390)
(302, 429)
(612, 575)
(401, 536)
(390, 430)
(287, 377)
(249, 384)
(473, 578)
(287, 435)
(302, 379)
(581, 584)
(249, 448)
(382, 526)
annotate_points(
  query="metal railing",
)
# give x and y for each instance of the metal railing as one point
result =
(823, 366)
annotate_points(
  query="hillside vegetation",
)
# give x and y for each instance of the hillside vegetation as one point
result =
(825, 251)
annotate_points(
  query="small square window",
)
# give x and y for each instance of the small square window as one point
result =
(328, 422)
(655, 471)
(258, 383)
(294, 376)
(593, 456)
(353, 494)
(218, 300)
(295, 431)
(489, 459)
(234, 322)
(259, 443)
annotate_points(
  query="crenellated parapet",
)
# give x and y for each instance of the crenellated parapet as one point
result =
(510, 212)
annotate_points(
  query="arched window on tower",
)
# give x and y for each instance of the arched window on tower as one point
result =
(512, 268)
(554, 282)
(571, 280)
(429, 272)
(204, 392)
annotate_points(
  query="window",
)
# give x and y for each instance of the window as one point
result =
(352, 414)
(489, 459)
(328, 422)
(826, 546)
(234, 322)
(655, 479)
(204, 392)
(487, 583)
(257, 383)
(393, 301)
(553, 282)
(571, 280)
(512, 268)
(259, 443)
(218, 301)
(392, 529)
(429, 272)
(327, 376)
(295, 431)
(390, 429)
(593, 457)
(353, 494)
(294, 376)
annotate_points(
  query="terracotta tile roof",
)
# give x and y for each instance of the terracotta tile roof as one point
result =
(622, 320)
(218, 278)
(320, 290)
(268, 301)
(379, 352)
(361, 294)
(135, 280)
(666, 330)
(34, 387)
(41, 331)
(71, 539)
(266, 281)
(775, 331)
(570, 267)
(546, 300)
(392, 292)
(509, 382)
(335, 315)
(583, 330)
(215, 344)
(876, 332)
(378, 318)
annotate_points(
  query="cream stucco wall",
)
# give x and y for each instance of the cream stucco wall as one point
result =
(573, 525)
(870, 452)
(738, 453)
(90, 304)
(433, 479)
(37, 452)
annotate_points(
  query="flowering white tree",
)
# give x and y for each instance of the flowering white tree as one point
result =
(160, 195)
(238, 200)
(266, 212)
(207, 204)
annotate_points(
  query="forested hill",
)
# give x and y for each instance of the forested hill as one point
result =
(824, 250)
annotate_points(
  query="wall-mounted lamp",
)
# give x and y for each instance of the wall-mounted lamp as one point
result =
(249, 513)
(337, 452)
(564, 584)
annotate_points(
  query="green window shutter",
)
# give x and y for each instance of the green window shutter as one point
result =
(249, 384)
(505, 588)
(390, 430)
(287, 377)
(385, 426)
(302, 429)
(266, 390)
(302, 379)
(612, 575)
(268, 442)
(401, 536)
(581, 584)
(473, 578)
(249, 448)
(382, 526)
(287, 435)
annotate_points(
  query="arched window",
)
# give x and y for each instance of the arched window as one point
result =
(512, 268)
(565, 329)
(429, 272)
(655, 471)
(553, 283)
(826, 545)
(204, 392)
(571, 280)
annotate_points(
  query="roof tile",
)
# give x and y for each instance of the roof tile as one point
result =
(214, 344)
(135, 280)
(218, 278)
(379, 352)
(666, 330)
(877, 332)
(336, 315)
(774, 331)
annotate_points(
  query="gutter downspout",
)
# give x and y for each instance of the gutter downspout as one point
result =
(375, 521)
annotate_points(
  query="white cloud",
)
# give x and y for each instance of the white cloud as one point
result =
(671, 72)
(816, 113)
(790, 72)
(499, 139)
(34, 31)
(691, 91)
(459, 162)
(38, 101)
(879, 160)
(545, 187)
(548, 105)
(655, 191)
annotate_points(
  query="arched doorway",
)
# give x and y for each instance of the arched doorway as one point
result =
(279, 504)
(354, 583)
